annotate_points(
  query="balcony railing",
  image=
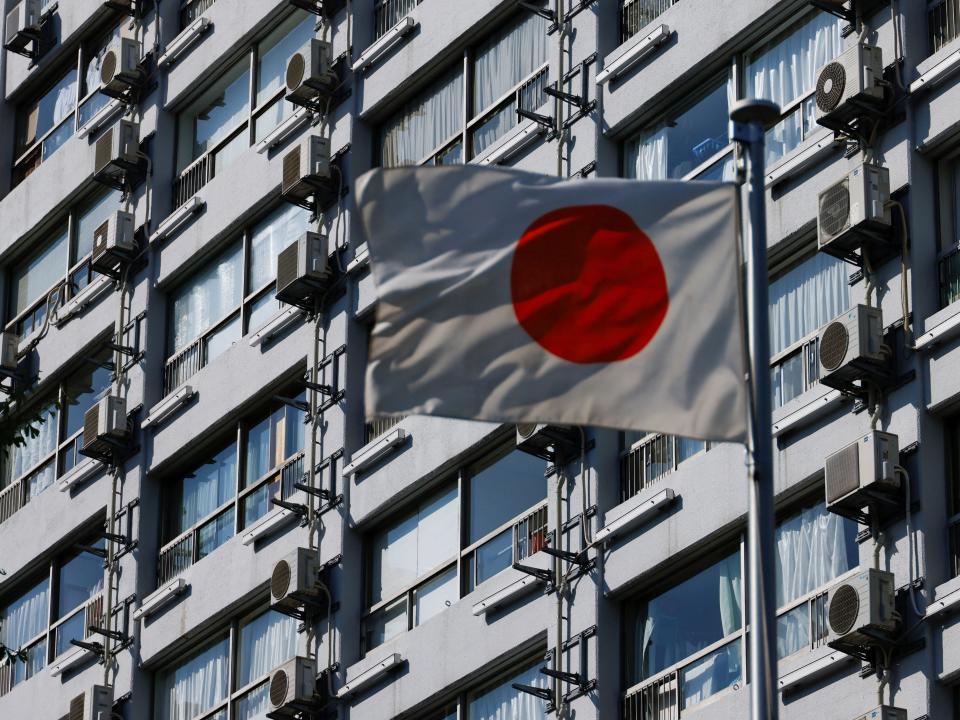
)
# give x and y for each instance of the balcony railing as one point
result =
(658, 700)
(183, 365)
(637, 14)
(950, 275)
(648, 461)
(378, 426)
(190, 10)
(530, 534)
(387, 13)
(12, 498)
(192, 179)
(943, 23)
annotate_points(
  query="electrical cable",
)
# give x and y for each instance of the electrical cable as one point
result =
(911, 549)
(904, 255)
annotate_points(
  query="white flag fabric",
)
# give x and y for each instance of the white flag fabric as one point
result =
(513, 297)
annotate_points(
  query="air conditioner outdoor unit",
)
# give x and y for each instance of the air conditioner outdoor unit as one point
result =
(845, 84)
(851, 346)
(117, 151)
(95, 704)
(293, 688)
(852, 474)
(310, 72)
(306, 169)
(296, 582)
(9, 345)
(861, 608)
(23, 27)
(302, 269)
(854, 206)
(113, 242)
(104, 426)
(884, 712)
(120, 69)
(548, 441)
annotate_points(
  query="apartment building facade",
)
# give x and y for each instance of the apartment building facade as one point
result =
(149, 543)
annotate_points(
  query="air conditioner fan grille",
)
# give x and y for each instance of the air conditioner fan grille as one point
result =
(280, 580)
(830, 86)
(834, 345)
(279, 686)
(835, 209)
(108, 67)
(296, 69)
(291, 168)
(844, 609)
(526, 430)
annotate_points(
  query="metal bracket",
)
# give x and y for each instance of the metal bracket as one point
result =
(115, 635)
(587, 169)
(542, 120)
(539, 573)
(336, 398)
(94, 647)
(542, 12)
(542, 693)
(843, 13)
(322, 389)
(577, 519)
(296, 508)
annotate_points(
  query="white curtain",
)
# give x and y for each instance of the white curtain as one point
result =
(266, 642)
(197, 685)
(210, 486)
(507, 58)
(424, 123)
(207, 297)
(271, 236)
(20, 458)
(25, 617)
(811, 551)
(729, 594)
(66, 99)
(647, 157)
(505, 703)
(805, 298)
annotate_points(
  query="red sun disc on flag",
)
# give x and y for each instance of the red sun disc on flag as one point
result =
(588, 285)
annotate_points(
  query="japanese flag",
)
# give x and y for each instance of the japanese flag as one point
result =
(513, 297)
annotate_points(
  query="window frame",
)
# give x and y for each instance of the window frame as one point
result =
(952, 465)
(240, 441)
(634, 456)
(948, 214)
(465, 556)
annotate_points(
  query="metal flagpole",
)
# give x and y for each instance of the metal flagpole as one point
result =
(750, 118)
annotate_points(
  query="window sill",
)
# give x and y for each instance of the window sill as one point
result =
(69, 660)
(368, 676)
(375, 451)
(161, 597)
(947, 599)
(939, 327)
(168, 406)
(812, 671)
(383, 45)
(802, 158)
(274, 327)
(182, 42)
(632, 52)
(268, 525)
(937, 68)
(79, 302)
(79, 474)
(518, 139)
(805, 409)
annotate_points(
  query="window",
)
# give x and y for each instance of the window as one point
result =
(943, 22)
(232, 295)
(814, 547)
(55, 610)
(234, 111)
(417, 566)
(637, 14)
(949, 255)
(54, 450)
(61, 259)
(785, 71)
(208, 681)
(802, 300)
(953, 469)
(647, 458)
(387, 13)
(46, 122)
(694, 143)
(232, 488)
(498, 700)
(190, 10)
(685, 643)
(507, 69)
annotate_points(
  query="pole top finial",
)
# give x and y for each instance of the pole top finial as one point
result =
(754, 110)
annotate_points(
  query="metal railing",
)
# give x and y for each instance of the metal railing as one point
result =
(530, 534)
(387, 13)
(291, 472)
(646, 464)
(176, 556)
(657, 700)
(637, 14)
(190, 10)
(183, 365)
(192, 179)
(950, 276)
(12, 498)
(943, 23)
(378, 426)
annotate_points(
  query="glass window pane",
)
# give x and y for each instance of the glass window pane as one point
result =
(91, 217)
(266, 642)
(793, 631)
(508, 57)
(32, 279)
(230, 151)
(52, 108)
(35, 662)
(72, 629)
(58, 137)
(503, 490)
(215, 533)
(80, 579)
(494, 555)
(708, 676)
(687, 448)
(788, 379)
(271, 235)
(503, 701)
(196, 685)
(805, 298)
(681, 144)
(277, 48)
(208, 487)
(386, 624)
(215, 115)
(25, 617)
(424, 123)
(257, 504)
(20, 459)
(262, 310)
(221, 340)
(814, 546)
(437, 595)
(254, 705)
(207, 298)
(83, 390)
(689, 617)
(258, 452)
